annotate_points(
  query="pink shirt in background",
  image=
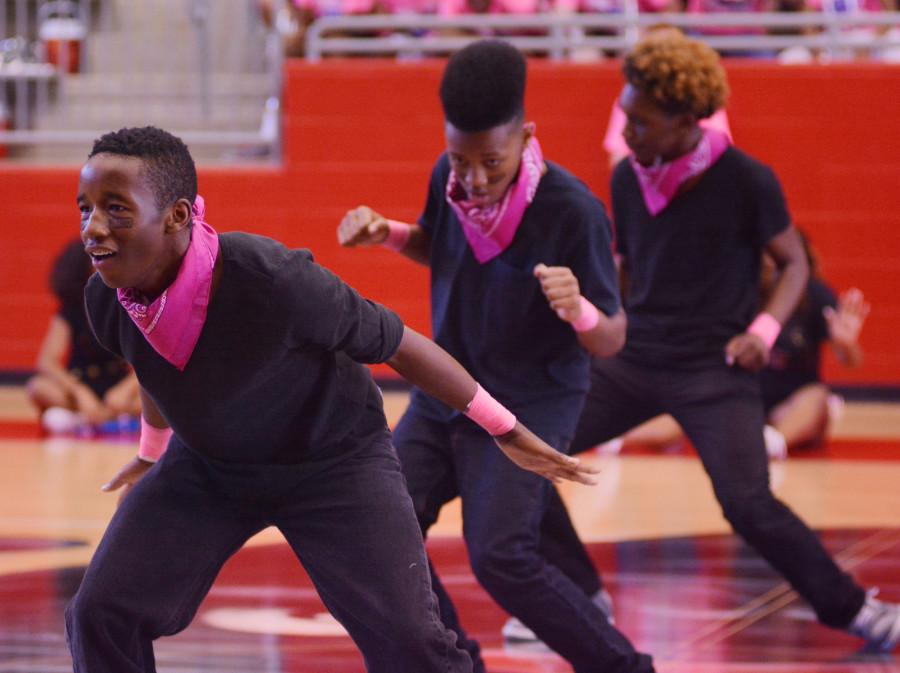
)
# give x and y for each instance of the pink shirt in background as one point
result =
(709, 6)
(459, 7)
(848, 6)
(614, 6)
(409, 6)
(614, 142)
(336, 7)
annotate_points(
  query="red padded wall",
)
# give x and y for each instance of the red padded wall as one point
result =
(369, 131)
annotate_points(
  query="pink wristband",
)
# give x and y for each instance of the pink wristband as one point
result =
(766, 328)
(154, 442)
(489, 413)
(398, 236)
(589, 317)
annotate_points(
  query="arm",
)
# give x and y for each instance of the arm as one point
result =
(362, 226)
(430, 368)
(155, 434)
(750, 349)
(599, 334)
(844, 326)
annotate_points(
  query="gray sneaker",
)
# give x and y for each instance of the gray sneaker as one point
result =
(878, 623)
(514, 631)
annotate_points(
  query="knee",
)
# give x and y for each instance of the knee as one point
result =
(85, 612)
(500, 567)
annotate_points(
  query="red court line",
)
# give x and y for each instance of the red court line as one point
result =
(20, 430)
(838, 449)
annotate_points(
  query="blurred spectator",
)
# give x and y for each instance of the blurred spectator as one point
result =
(79, 385)
(730, 6)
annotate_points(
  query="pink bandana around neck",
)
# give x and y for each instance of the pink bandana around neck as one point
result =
(490, 230)
(173, 321)
(660, 182)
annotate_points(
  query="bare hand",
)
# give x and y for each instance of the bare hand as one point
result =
(362, 226)
(845, 323)
(127, 477)
(560, 287)
(531, 453)
(747, 351)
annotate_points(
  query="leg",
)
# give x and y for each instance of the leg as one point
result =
(563, 547)
(803, 417)
(502, 510)
(619, 400)
(146, 580)
(721, 412)
(614, 405)
(44, 393)
(424, 451)
(356, 534)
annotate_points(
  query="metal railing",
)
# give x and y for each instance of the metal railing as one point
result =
(207, 70)
(567, 36)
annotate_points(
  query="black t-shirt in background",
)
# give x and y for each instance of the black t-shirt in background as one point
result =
(796, 356)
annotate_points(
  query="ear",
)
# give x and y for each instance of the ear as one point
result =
(179, 216)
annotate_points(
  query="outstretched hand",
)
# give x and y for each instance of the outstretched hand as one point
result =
(127, 477)
(845, 323)
(531, 453)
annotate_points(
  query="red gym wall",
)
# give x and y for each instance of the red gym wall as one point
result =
(368, 132)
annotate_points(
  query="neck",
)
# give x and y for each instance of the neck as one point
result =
(169, 270)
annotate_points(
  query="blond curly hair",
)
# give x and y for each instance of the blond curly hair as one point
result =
(681, 74)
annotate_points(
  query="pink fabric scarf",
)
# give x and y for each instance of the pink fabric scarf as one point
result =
(490, 230)
(173, 321)
(660, 182)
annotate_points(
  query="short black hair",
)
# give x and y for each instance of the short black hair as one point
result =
(170, 167)
(484, 86)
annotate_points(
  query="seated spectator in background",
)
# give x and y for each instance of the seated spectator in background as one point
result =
(799, 405)
(800, 408)
(79, 384)
(298, 15)
(728, 6)
(861, 34)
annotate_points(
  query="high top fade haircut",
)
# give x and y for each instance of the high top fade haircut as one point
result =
(168, 164)
(680, 74)
(484, 86)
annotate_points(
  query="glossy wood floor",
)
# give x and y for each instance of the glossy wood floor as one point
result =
(685, 589)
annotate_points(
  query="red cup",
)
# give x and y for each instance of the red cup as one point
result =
(62, 42)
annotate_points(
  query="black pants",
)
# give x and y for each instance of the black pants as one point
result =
(720, 410)
(502, 508)
(351, 524)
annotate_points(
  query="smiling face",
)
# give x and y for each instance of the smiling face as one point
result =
(486, 162)
(653, 134)
(131, 241)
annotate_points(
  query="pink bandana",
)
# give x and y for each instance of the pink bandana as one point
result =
(172, 322)
(660, 182)
(490, 230)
